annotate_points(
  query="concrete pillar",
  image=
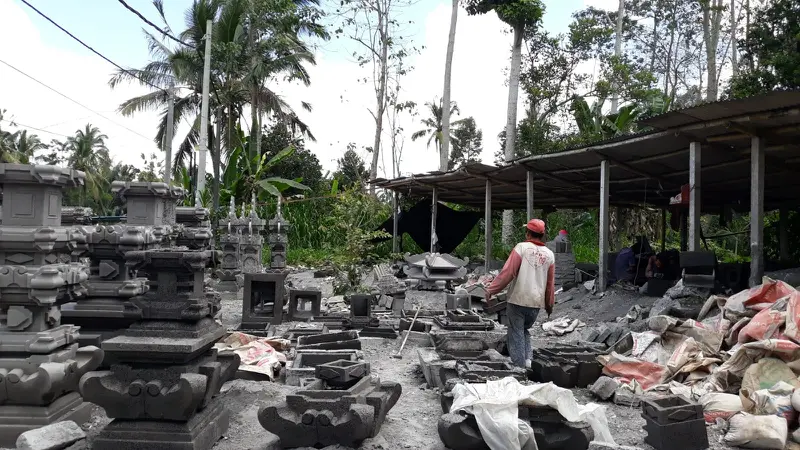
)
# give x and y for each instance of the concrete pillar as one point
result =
(529, 199)
(756, 210)
(488, 226)
(684, 231)
(434, 215)
(602, 264)
(783, 234)
(663, 229)
(695, 167)
(396, 221)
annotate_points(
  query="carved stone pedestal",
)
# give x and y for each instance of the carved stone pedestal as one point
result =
(40, 361)
(107, 310)
(164, 371)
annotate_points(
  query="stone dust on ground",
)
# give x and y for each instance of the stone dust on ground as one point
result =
(412, 423)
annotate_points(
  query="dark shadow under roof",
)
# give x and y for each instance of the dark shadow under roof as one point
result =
(647, 168)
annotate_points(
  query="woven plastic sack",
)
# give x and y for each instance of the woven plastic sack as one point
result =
(763, 432)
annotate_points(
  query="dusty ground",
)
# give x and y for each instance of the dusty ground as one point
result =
(411, 424)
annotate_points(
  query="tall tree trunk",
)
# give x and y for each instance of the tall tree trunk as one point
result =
(383, 31)
(444, 153)
(734, 51)
(216, 161)
(712, 17)
(617, 54)
(511, 122)
(254, 147)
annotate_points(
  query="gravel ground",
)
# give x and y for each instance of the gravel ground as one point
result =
(411, 424)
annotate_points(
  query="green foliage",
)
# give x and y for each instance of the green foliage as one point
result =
(771, 51)
(351, 172)
(517, 13)
(467, 143)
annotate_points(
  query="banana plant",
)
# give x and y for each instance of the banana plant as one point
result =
(247, 174)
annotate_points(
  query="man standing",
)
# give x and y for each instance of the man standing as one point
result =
(531, 265)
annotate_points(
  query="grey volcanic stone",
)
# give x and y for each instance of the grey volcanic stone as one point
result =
(604, 387)
(594, 445)
(57, 436)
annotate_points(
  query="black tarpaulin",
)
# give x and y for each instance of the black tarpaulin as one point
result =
(452, 226)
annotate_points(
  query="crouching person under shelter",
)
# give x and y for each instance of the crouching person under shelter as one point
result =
(531, 267)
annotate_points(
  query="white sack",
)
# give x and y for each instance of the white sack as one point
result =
(495, 407)
(763, 432)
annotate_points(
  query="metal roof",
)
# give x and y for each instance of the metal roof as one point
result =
(649, 167)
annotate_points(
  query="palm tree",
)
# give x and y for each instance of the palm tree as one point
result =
(88, 153)
(24, 146)
(434, 124)
(448, 69)
(277, 50)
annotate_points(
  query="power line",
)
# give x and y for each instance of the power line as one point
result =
(22, 125)
(163, 32)
(75, 101)
(91, 49)
(167, 34)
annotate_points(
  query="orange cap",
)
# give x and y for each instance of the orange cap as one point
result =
(536, 226)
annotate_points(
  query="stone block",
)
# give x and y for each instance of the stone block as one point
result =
(299, 299)
(686, 435)
(306, 361)
(481, 371)
(419, 325)
(305, 329)
(459, 346)
(17, 419)
(458, 301)
(604, 387)
(567, 366)
(56, 436)
(200, 432)
(330, 341)
(386, 332)
(318, 416)
(461, 321)
(671, 409)
(460, 432)
(623, 396)
(342, 373)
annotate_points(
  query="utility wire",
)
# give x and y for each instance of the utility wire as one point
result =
(167, 34)
(91, 49)
(75, 101)
(160, 30)
(22, 125)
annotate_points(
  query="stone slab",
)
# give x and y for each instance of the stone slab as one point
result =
(305, 363)
(17, 419)
(594, 445)
(51, 437)
(201, 432)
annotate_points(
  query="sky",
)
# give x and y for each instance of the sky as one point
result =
(340, 102)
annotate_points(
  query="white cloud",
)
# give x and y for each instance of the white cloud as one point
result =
(83, 77)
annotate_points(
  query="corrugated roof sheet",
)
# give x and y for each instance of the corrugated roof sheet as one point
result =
(648, 167)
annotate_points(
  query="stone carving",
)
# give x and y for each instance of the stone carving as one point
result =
(107, 309)
(229, 265)
(151, 204)
(196, 226)
(40, 361)
(251, 242)
(263, 300)
(322, 415)
(165, 373)
(278, 239)
(430, 268)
